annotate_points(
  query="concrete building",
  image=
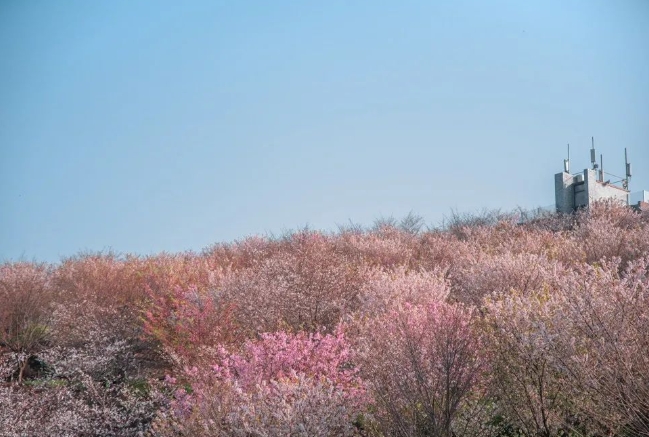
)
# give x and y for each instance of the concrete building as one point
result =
(579, 190)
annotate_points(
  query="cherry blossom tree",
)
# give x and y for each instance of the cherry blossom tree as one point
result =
(425, 366)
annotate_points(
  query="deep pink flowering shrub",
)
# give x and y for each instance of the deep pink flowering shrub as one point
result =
(276, 355)
(281, 384)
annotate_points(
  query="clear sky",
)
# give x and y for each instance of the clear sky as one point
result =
(147, 126)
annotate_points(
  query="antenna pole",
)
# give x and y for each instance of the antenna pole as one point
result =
(627, 167)
(601, 169)
(593, 157)
(566, 162)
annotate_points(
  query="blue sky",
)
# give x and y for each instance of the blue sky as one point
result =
(147, 126)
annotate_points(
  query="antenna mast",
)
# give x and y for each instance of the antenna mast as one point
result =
(627, 166)
(566, 162)
(593, 157)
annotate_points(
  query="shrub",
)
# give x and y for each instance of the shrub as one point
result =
(78, 407)
(188, 322)
(26, 300)
(282, 384)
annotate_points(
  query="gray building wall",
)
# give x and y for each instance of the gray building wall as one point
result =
(600, 191)
(572, 192)
(564, 197)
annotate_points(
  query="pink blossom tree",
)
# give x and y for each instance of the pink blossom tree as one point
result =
(305, 286)
(425, 367)
(282, 384)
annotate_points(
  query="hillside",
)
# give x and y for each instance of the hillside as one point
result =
(481, 329)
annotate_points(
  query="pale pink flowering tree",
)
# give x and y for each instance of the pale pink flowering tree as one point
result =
(529, 383)
(608, 337)
(386, 246)
(511, 238)
(501, 273)
(305, 286)
(385, 290)
(425, 367)
(572, 358)
(609, 230)
(437, 250)
(240, 254)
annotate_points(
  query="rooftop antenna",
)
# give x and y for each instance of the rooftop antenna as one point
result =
(627, 165)
(601, 168)
(566, 162)
(593, 158)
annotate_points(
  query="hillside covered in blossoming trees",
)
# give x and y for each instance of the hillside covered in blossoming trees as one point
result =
(486, 328)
